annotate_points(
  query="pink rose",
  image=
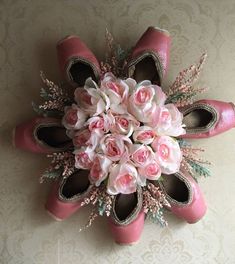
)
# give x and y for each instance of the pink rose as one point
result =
(82, 159)
(151, 171)
(141, 101)
(81, 137)
(140, 154)
(145, 98)
(168, 154)
(122, 179)
(102, 122)
(116, 88)
(144, 134)
(83, 98)
(160, 96)
(91, 99)
(117, 91)
(124, 124)
(100, 169)
(93, 142)
(74, 117)
(167, 121)
(114, 146)
(95, 122)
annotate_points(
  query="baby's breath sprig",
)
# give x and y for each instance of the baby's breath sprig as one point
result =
(115, 58)
(62, 164)
(153, 203)
(192, 162)
(183, 92)
(101, 201)
(55, 99)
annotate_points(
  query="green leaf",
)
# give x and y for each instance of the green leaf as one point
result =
(44, 94)
(183, 143)
(160, 179)
(36, 108)
(199, 169)
(180, 96)
(101, 208)
(157, 217)
(51, 174)
(121, 54)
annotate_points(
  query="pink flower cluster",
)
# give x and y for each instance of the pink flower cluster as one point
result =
(123, 132)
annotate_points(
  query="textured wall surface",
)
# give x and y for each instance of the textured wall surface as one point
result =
(29, 30)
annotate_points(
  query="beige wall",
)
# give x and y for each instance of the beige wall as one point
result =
(28, 33)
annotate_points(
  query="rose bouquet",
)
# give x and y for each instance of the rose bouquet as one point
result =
(123, 132)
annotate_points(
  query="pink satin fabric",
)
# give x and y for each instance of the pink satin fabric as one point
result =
(24, 138)
(226, 119)
(128, 234)
(73, 47)
(154, 40)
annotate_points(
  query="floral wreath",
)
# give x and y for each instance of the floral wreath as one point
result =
(127, 134)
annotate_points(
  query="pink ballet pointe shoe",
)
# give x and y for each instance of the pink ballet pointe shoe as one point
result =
(127, 219)
(184, 196)
(76, 61)
(67, 194)
(149, 59)
(207, 118)
(41, 135)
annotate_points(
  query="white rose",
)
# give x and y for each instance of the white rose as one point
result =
(74, 117)
(114, 146)
(82, 159)
(141, 101)
(122, 179)
(140, 154)
(168, 121)
(117, 90)
(91, 99)
(100, 169)
(124, 124)
(150, 171)
(144, 100)
(144, 134)
(167, 153)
